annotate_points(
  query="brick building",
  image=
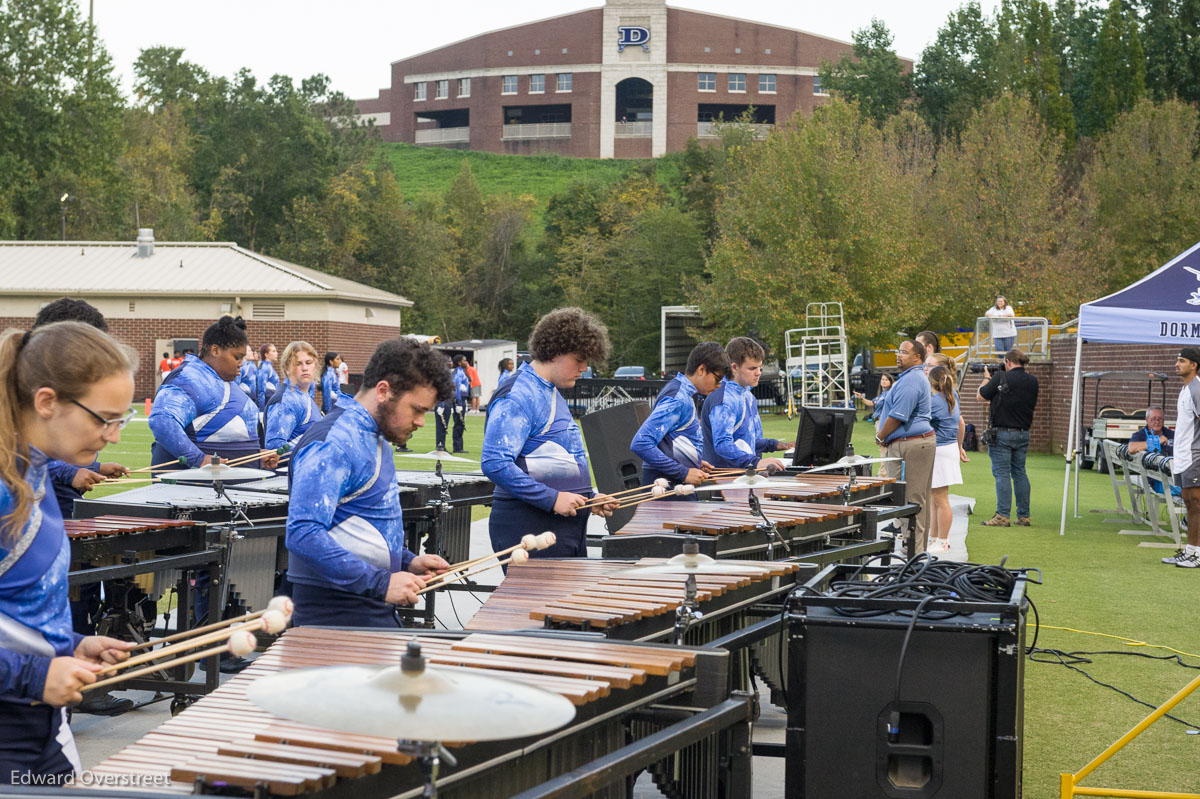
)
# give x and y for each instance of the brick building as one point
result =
(157, 296)
(1050, 423)
(633, 79)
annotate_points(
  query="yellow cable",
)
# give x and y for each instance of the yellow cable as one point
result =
(1130, 641)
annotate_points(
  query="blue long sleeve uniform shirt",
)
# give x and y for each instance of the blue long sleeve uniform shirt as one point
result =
(732, 429)
(248, 379)
(532, 448)
(669, 441)
(345, 529)
(35, 617)
(266, 383)
(462, 385)
(289, 415)
(195, 407)
(331, 388)
(908, 402)
(62, 475)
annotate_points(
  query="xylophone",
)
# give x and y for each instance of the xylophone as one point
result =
(224, 744)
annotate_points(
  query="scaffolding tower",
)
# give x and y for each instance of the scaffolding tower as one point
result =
(818, 358)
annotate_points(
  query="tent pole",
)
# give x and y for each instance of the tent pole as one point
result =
(1071, 443)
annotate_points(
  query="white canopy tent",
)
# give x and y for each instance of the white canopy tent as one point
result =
(1161, 308)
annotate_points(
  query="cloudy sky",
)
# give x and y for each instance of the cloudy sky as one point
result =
(353, 41)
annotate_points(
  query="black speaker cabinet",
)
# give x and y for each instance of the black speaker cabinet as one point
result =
(960, 724)
(608, 434)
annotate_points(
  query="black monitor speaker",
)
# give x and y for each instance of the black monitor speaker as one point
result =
(608, 434)
(823, 435)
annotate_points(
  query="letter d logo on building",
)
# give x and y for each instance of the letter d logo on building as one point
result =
(633, 36)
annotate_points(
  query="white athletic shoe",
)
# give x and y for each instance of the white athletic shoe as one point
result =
(1179, 555)
(1188, 562)
(938, 546)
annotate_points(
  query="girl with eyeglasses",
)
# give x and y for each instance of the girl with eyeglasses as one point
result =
(65, 391)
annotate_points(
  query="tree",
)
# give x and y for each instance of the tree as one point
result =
(955, 74)
(157, 154)
(162, 77)
(1144, 182)
(1119, 73)
(1027, 62)
(1004, 221)
(874, 77)
(817, 212)
(60, 121)
(1171, 39)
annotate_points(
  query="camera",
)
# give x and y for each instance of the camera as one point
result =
(976, 367)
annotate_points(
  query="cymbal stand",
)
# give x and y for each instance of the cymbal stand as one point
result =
(429, 754)
(774, 537)
(687, 613)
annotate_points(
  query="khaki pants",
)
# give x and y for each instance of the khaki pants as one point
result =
(917, 455)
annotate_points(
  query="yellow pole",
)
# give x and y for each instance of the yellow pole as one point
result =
(1127, 794)
(1066, 786)
(1159, 712)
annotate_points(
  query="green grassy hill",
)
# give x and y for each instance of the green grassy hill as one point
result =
(420, 170)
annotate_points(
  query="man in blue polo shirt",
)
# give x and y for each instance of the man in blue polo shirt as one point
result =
(908, 434)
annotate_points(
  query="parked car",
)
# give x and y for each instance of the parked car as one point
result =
(631, 372)
(588, 374)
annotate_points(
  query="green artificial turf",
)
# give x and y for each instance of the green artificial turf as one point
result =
(1095, 580)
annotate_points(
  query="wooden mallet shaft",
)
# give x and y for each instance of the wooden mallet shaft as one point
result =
(464, 575)
(216, 625)
(129, 675)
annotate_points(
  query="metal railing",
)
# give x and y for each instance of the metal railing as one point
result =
(708, 130)
(443, 136)
(634, 130)
(537, 130)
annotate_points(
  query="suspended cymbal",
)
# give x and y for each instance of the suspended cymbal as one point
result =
(693, 564)
(440, 455)
(215, 473)
(851, 460)
(440, 703)
(746, 481)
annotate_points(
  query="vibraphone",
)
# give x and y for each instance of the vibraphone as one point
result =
(139, 559)
(250, 523)
(224, 744)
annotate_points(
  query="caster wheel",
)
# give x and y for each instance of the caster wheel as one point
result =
(179, 704)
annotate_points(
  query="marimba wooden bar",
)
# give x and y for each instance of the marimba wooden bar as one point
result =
(225, 743)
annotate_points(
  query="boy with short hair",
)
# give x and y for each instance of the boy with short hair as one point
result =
(669, 441)
(733, 433)
(532, 448)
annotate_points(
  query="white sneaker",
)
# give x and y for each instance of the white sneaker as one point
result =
(1188, 562)
(1179, 555)
(938, 546)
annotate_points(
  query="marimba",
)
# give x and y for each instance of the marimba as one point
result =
(831, 488)
(250, 523)
(225, 743)
(591, 595)
(732, 530)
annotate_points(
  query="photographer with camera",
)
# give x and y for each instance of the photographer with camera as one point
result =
(1012, 393)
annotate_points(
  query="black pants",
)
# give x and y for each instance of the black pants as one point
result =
(31, 745)
(511, 519)
(446, 412)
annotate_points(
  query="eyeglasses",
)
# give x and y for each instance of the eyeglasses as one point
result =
(119, 422)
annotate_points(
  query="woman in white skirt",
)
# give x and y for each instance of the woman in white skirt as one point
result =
(946, 415)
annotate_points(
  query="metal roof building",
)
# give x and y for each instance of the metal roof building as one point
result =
(155, 294)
